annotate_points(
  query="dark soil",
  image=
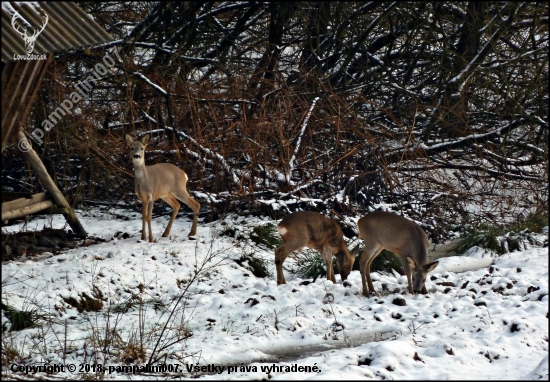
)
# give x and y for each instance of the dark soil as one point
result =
(32, 244)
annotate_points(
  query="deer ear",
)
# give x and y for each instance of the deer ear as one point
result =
(412, 262)
(129, 139)
(431, 266)
(145, 140)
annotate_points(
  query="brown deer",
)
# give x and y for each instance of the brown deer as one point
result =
(385, 230)
(313, 230)
(162, 180)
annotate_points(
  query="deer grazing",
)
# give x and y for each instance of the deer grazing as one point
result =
(162, 180)
(385, 230)
(313, 230)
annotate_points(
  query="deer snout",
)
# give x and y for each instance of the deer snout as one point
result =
(344, 275)
(421, 291)
(137, 156)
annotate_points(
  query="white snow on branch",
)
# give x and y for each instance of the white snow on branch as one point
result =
(146, 45)
(493, 172)
(483, 51)
(219, 158)
(151, 83)
(541, 121)
(199, 59)
(227, 101)
(469, 137)
(292, 163)
(191, 153)
(466, 70)
(456, 142)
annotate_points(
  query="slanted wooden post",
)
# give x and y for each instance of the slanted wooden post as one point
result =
(48, 183)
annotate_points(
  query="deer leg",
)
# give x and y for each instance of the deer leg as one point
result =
(195, 206)
(327, 257)
(409, 282)
(407, 270)
(173, 202)
(281, 254)
(369, 280)
(369, 253)
(363, 271)
(184, 196)
(143, 219)
(280, 257)
(150, 217)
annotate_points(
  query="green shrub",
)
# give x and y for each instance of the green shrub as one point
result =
(20, 319)
(484, 236)
(257, 240)
(310, 264)
(384, 262)
(266, 236)
(503, 239)
(259, 266)
(230, 231)
(534, 222)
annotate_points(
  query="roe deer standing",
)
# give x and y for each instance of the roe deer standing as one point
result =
(162, 180)
(385, 230)
(313, 230)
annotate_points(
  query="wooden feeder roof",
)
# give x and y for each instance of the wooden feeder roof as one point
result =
(67, 27)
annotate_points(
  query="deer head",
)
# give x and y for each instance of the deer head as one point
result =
(29, 40)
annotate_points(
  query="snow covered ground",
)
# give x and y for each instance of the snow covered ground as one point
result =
(485, 317)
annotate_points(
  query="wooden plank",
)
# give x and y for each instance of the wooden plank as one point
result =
(23, 202)
(24, 211)
(48, 183)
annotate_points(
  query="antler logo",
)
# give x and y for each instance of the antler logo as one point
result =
(29, 40)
